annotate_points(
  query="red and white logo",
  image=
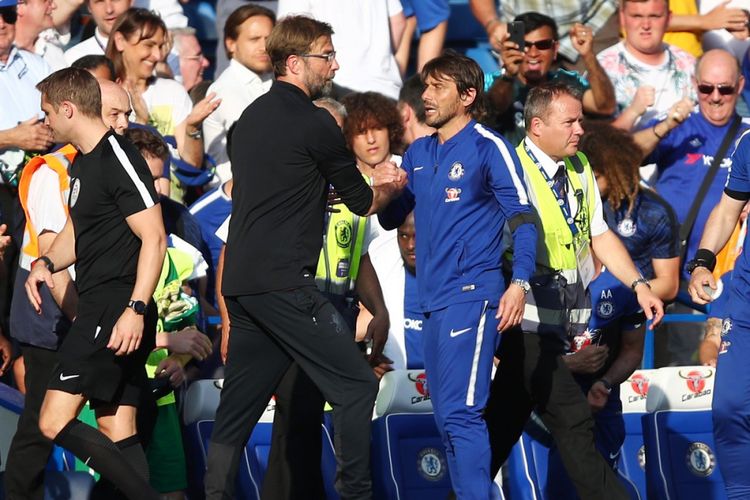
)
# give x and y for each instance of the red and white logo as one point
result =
(696, 379)
(639, 384)
(420, 384)
(452, 194)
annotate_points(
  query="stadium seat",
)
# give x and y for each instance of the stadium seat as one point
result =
(201, 401)
(408, 458)
(68, 485)
(527, 464)
(631, 465)
(678, 435)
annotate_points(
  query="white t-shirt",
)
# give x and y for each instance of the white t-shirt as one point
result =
(48, 46)
(169, 10)
(168, 105)
(237, 87)
(46, 205)
(94, 45)
(361, 38)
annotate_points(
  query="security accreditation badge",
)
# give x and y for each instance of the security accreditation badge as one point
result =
(584, 262)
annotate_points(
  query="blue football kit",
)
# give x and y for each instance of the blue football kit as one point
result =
(731, 403)
(463, 192)
(649, 230)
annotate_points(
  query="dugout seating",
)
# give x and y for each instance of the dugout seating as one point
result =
(408, 457)
(631, 465)
(200, 403)
(678, 435)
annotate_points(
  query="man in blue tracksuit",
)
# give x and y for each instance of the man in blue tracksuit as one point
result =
(731, 404)
(464, 185)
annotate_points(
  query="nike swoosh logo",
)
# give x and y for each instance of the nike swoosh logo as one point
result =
(612, 456)
(418, 168)
(98, 329)
(456, 333)
(63, 378)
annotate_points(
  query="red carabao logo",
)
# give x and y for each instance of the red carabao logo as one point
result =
(639, 383)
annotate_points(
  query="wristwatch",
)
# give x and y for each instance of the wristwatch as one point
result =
(138, 306)
(523, 284)
(640, 281)
(47, 261)
(606, 384)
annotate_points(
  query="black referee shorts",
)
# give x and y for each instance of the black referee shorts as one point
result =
(85, 364)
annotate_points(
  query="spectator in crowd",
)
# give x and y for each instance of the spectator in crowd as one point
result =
(562, 188)
(21, 127)
(170, 11)
(372, 129)
(411, 108)
(186, 58)
(601, 358)
(97, 65)
(565, 14)
(365, 36)
(104, 13)
(524, 69)
(459, 289)
(645, 223)
(730, 395)
(649, 76)
(395, 263)
(429, 19)
(34, 17)
(247, 77)
(135, 45)
(682, 146)
(115, 106)
(106, 248)
(337, 110)
(270, 327)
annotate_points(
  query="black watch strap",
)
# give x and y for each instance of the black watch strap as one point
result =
(47, 261)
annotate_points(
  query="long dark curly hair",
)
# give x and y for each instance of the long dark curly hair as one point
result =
(368, 110)
(613, 154)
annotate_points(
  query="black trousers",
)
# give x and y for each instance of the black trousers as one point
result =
(532, 375)
(294, 461)
(269, 331)
(30, 450)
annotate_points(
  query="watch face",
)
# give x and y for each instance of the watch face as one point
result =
(138, 306)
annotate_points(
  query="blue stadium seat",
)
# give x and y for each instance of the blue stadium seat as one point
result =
(201, 401)
(678, 435)
(408, 457)
(527, 469)
(68, 485)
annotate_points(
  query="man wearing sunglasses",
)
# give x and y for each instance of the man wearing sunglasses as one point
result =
(683, 145)
(526, 67)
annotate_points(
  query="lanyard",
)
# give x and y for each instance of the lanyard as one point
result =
(562, 202)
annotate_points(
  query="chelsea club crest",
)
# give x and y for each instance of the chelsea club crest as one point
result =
(456, 171)
(626, 227)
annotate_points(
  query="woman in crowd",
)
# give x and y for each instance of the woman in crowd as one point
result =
(137, 43)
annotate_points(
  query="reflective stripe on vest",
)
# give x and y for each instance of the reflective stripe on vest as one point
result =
(59, 161)
(556, 250)
(338, 264)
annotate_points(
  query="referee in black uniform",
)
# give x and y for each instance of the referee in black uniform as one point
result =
(286, 151)
(115, 236)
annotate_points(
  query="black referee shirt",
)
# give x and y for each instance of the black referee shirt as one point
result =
(107, 185)
(285, 152)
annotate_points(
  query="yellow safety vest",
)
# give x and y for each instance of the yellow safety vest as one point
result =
(59, 161)
(338, 264)
(557, 249)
